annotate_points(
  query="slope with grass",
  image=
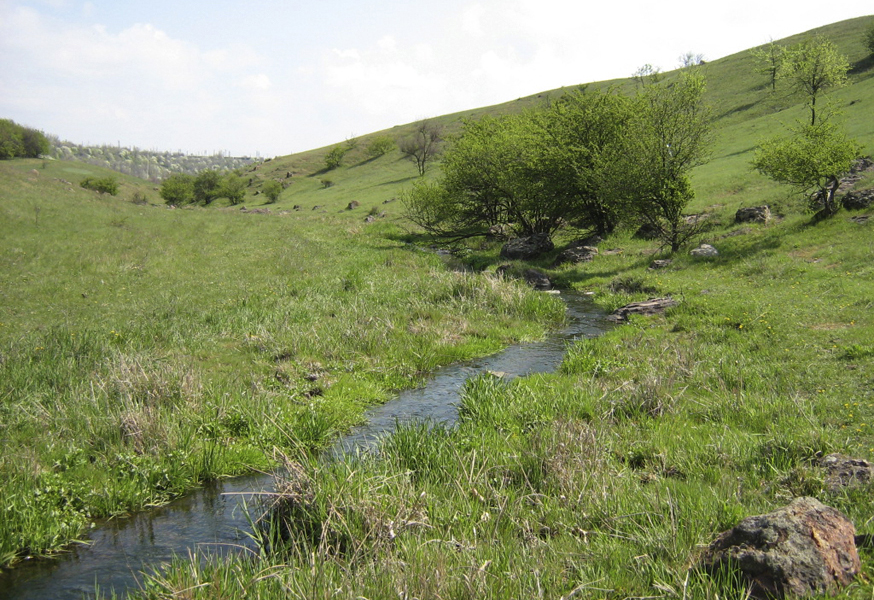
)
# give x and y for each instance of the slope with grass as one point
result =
(159, 347)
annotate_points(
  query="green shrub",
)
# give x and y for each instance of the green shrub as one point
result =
(380, 145)
(334, 158)
(272, 189)
(103, 185)
(869, 39)
(178, 189)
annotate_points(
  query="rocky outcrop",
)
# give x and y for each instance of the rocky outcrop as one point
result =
(858, 200)
(526, 248)
(653, 306)
(575, 254)
(803, 549)
(753, 214)
(660, 263)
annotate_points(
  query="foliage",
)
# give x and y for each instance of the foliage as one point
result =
(811, 160)
(178, 189)
(17, 141)
(670, 134)
(814, 67)
(233, 188)
(272, 189)
(379, 146)
(647, 74)
(424, 145)
(769, 61)
(103, 185)
(207, 186)
(869, 39)
(334, 157)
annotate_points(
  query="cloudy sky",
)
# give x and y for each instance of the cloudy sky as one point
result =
(272, 77)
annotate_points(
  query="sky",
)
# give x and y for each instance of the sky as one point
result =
(269, 78)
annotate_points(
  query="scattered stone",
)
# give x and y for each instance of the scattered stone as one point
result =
(861, 220)
(858, 200)
(317, 207)
(353, 205)
(803, 549)
(660, 263)
(844, 471)
(613, 252)
(297, 207)
(592, 240)
(705, 251)
(575, 254)
(653, 306)
(753, 214)
(537, 279)
(527, 247)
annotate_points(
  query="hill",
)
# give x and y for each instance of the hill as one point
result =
(145, 349)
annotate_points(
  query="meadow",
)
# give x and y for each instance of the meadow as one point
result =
(146, 349)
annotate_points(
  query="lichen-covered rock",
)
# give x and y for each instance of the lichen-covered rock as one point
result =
(652, 306)
(802, 549)
(845, 471)
(858, 200)
(526, 248)
(705, 251)
(660, 263)
(537, 279)
(576, 254)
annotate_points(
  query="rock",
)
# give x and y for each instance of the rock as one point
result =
(575, 254)
(803, 549)
(592, 240)
(844, 471)
(527, 247)
(353, 205)
(660, 263)
(861, 220)
(647, 232)
(297, 207)
(649, 307)
(753, 214)
(317, 207)
(858, 200)
(705, 251)
(537, 279)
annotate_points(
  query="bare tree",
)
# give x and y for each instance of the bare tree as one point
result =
(423, 145)
(691, 59)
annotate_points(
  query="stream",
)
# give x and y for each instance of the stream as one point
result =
(214, 518)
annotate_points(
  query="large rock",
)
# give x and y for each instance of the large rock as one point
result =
(653, 306)
(858, 200)
(753, 214)
(803, 549)
(704, 251)
(844, 471)
(537, 279)
(527, 247)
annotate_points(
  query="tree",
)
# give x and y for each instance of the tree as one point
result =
(813, 68)
(233, 188)
(769, 61)
(11, 141)
(207, 186)
(869, 39)
(812, 161)
(423, 145)
(102, 185)
(334, 157)
(272, 189)
(669, 136)
(647, 74)
(691, 59)
(178, 189)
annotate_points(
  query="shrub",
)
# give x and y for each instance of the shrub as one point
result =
(272, 189)
(178, 189)
(379, 146)
(18, 141)
(334, 158)
(869, 39)
(103, 185)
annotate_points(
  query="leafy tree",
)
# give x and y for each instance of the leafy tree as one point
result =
(233, 188)
(11, 140)
(423, 145)
(207, 186)
(813, 68)
(335, 156)
(769, 61)
(669, 136)
(647, 74)
(379, 146)
(812, 161)
(103, 185)
(178, 189)
(581, 144)
(272, 189)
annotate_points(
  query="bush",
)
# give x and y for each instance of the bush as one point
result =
(379, 146)
(178, 189)
(869, 39)
(334, 158)
(233, 188)
(272, 189)
(103, 185)
(18, 141)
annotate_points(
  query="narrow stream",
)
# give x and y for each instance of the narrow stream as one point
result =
(214, 518)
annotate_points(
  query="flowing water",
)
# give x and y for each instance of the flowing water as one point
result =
(215, 518)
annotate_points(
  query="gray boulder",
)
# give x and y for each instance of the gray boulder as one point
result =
(705, 251)
(803, 549)
(537, 279)
(753, 214)
(526, 248)
(576, 254)
(844, 471)
(858, 200)
(653, 306)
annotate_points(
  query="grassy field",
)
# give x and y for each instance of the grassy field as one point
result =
(145, 349)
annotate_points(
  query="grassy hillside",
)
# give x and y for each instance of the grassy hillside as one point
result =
(145, 349)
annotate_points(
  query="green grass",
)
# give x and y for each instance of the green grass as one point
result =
(176, 345)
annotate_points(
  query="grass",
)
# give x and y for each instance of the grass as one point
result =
(134, 334)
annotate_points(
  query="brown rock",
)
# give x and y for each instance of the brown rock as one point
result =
(652, 306)
(802, 549)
